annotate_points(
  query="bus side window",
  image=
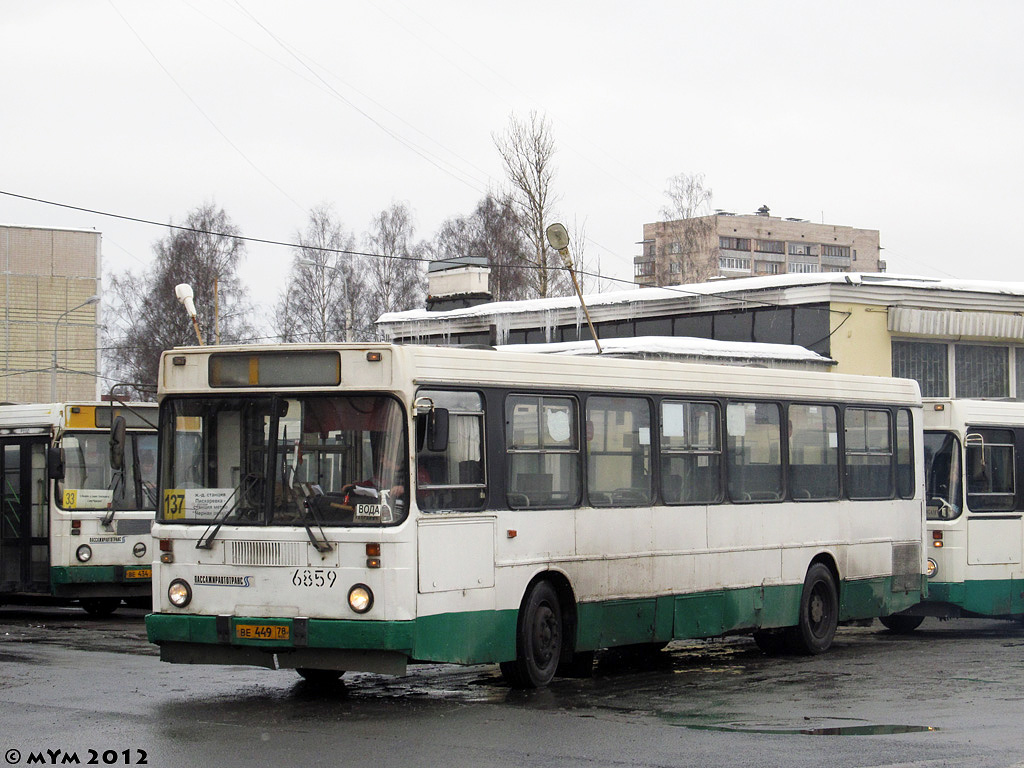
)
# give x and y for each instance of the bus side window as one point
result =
(453, 478)
(869, 454)
(542, 442)
(990, 465)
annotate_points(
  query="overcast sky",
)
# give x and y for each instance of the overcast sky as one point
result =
(906, 117)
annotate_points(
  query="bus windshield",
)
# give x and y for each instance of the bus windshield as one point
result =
(90, 482)
(301, 460)
(942, 472)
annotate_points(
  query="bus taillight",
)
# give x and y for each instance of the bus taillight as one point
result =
(937, 539)
(166, 551)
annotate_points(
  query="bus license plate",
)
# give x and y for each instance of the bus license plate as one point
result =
(262, 631)
(138, 573)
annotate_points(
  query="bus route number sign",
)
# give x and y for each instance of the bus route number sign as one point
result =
(174, 505)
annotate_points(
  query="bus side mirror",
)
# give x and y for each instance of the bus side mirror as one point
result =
(55, 462)
(437, 430)
(117, 429)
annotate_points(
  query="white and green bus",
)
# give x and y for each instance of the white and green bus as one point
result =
(555, 506)
(77, 503)
(975, 509)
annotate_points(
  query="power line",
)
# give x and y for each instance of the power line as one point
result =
(423, 259)
(202, 111)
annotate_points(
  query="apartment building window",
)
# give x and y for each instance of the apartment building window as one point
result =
(733, 262)
(734, 243)
(770, 246)
(801, 249)
(675, 268)
(1019, 370)
(798, 267)
(644, 269)
(842, 251)
(925, 362)
(676, 247)
(982, 371)
(767, 268)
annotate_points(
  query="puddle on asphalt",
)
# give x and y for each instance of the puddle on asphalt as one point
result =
(863, 729)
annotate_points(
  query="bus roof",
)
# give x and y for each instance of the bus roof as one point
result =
(186, 370)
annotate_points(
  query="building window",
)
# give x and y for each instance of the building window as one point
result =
(801, 249)
(1019, 359)
(676, 247)
(733, 262)
(926, 363)
(734, 243)
(982, 371)
(836, 250)
(644, 269)
(800, 268)
(675, 268)
(770, 246)
(767, 268)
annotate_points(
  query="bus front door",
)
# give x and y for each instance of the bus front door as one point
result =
(24, 522)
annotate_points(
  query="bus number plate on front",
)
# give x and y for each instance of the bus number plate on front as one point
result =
(262, 631)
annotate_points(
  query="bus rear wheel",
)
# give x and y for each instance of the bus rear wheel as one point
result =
(319, 676)
(100, 606)
(819, 612)
(901, 625)
(538, 639)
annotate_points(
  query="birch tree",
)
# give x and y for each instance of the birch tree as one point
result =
(325, 297)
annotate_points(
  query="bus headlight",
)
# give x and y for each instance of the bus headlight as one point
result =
(932, 568)
(84, 553)
(360, 598)
(179, 593)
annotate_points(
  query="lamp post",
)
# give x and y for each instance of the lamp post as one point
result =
(558, 239)
(56, 327)
(349, 316)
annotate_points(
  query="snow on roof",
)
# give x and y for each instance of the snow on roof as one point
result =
(677, 346)
(712, 288)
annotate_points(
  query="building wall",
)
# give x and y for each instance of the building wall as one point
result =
(47, 272)
(860, 340)
(801, 246)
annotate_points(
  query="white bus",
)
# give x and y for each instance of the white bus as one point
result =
(975, 508)
(558, 506)
(72, 526)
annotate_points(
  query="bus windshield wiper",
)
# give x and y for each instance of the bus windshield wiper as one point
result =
(309, 516)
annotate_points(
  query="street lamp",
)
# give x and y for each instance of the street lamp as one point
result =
(349, 315)
(558, 239)
(56, 327)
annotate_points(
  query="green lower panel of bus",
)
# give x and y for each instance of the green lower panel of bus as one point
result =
(488, 636)
(993, 597)
(100, 574)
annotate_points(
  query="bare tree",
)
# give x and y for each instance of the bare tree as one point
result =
(324, 299)
(527, 149)
(146, 318)
(396, 276)
(689, 232)
(492, 231)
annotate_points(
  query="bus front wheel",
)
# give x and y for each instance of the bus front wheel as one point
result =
(819, 612)
(538, 639)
